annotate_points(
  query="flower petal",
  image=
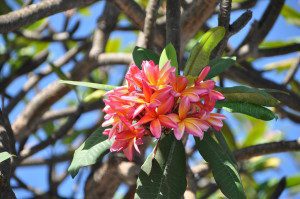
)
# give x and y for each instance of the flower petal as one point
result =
(167, 121)
(174, 117)
(203, 74)
(184, 107)
(178, 132)
(155, 128)
(138, 110)
(128, 152)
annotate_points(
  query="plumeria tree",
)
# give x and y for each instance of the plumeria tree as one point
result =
(162, 123)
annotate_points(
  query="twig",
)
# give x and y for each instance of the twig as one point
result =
(261, 28)
(62, 131)
(279, 188)
(105, 25)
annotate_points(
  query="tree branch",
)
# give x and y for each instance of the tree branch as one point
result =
(30, 14)
(151, 14)
(173, 26)
(267, 148)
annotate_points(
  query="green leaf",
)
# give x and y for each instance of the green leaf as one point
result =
(261, 164)
(113, 45)
(89, 85)
(89, 151)
(94, 96)
(229, 136)
(247, 94)
(252, 110)
(85, 11)
(140, 54)
(281, 66)
(58, 72)
(169, 53)
(49, 128)
(293, 181)
(278, 44)
(219, 65)
(163, 175)
(259, 128)
(200, 54)
(223, 168)
(5, 155)
(223, 144)
(291, 15)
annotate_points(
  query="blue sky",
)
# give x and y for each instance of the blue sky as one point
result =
(37, 176)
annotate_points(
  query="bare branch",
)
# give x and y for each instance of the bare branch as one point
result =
(106, 24)
(267, 148)
(62, 131)
(194, 17)
(173, 25)
(151, 14)
(34, 12)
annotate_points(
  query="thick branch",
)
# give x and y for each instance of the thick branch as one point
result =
(173, 25)
(151, 14)
(34, 12)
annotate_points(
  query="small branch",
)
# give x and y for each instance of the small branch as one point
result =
(267, 148)
(279, 189)
(173, 26)
(224, 15)
(292, 72)
(149, 26)
(62, 131)
(195, 17)
(45, 161)
(133, 11)
(105, 25)
(34, 79)
(223, 20)
(27, 187)
(261, 28)
(26, 67)
(240, 23)
(30, 14)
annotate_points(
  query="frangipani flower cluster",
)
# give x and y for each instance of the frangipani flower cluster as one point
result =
(154, 101)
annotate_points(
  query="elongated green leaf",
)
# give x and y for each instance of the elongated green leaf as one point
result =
(291, 15)
(89, 151)
(200, 53)
(223, 144)
(256, 133)
(94, 96)
(5, 155)
(140, 54)
(58, 72)
(278, 43)
(223, 168)
(163, 175)
(229, 136)
(219, 65)
(247, 94)
(169, 53)
(89, 85)
(252, 110)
